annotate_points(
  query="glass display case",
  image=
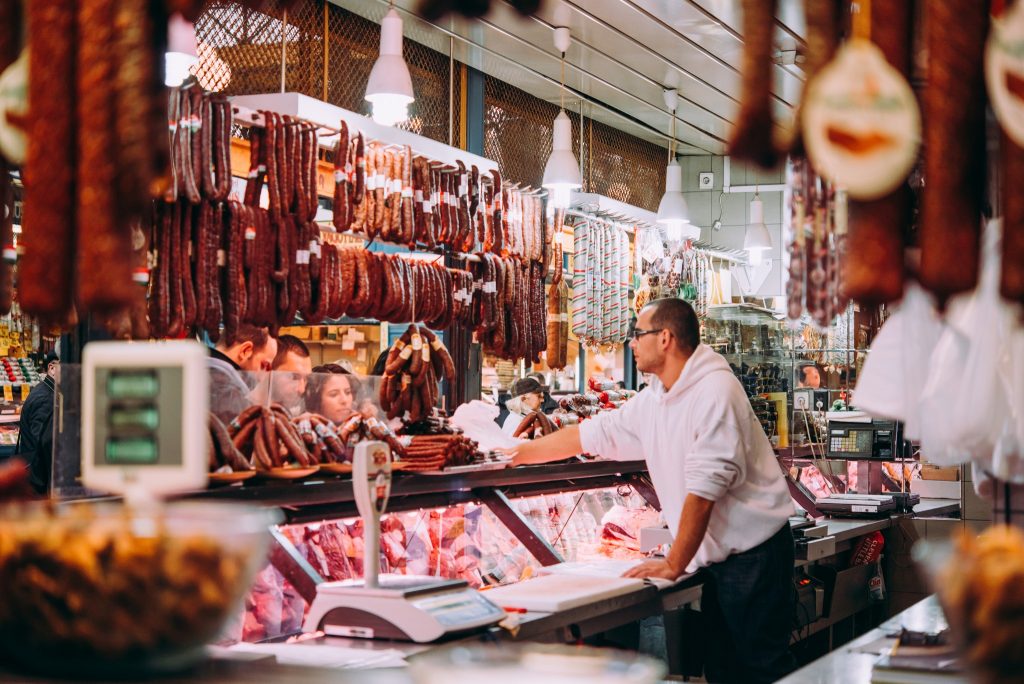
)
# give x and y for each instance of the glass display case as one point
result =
(470, 540)
(772, 357)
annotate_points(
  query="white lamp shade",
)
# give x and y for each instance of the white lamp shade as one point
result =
(182, 50)
(177, 67)
(389, 88)
(181, 36)
(672, 210)
(562, 169)
(757, 239)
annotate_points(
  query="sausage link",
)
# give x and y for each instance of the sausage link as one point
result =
(954, 138)
(342, 218)
(752, 137)
(46, 267)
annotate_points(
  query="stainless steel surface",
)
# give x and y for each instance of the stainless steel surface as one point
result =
(849, 664)
(816, 549)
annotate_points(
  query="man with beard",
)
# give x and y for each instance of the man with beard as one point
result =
(721, 490)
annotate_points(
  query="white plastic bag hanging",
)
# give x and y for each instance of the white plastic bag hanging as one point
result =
(898, 364)
(964, 405)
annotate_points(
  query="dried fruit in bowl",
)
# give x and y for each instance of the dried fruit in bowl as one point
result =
(982, 591)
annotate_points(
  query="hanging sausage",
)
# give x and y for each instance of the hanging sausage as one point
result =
(874, 269)
(752, 137)
(954, 143)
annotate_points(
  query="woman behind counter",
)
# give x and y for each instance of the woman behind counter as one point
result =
(527, 397)
(334, 393)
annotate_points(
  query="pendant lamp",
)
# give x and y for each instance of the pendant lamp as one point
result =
(182, 50)
(757, 239)
(562, 171)
(672, 210)
(389, 89)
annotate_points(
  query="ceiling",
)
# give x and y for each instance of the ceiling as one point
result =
(624, 52)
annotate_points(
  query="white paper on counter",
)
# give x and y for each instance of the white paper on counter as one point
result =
(554, 592)
(325, 655)
(607, 568)
(476, 420)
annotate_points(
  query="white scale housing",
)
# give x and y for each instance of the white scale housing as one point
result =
(144, 418)
(402, 607)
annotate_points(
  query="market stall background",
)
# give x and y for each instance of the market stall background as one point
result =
(621, 122)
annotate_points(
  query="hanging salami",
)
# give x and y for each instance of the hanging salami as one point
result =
(954, 141)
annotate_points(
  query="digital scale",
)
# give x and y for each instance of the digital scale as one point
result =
(402, 607)
(880, 439)
(859, 505)
(144, 418)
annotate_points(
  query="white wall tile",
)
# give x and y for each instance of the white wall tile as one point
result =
(772, 206)
(735, 209)
(700, 207)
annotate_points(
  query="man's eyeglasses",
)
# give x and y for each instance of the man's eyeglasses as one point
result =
(637, 333)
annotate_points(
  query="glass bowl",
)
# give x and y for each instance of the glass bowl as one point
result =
(100, 590)
(515, 663)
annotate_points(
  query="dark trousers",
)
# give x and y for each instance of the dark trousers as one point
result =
(749, 602)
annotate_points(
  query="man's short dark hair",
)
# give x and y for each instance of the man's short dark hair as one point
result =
(679, 318)
(248, 333)
(803, 370)
(289, 344)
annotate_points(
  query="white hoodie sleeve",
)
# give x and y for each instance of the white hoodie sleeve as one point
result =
(611, 434)
(718, 458)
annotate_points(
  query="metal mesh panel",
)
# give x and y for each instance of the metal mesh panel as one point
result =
(240, 48)
(623, 167)
(240, 53)
(517, 135)
(517, 131)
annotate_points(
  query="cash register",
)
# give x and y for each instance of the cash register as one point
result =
(854, 436)
(866, 438)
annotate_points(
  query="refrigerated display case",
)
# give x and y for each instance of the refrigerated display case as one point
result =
(489, 528)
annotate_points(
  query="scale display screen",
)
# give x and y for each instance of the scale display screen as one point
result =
(133, 384)
(455, 608)
(138, 416)
(132, 451)
(141, 417)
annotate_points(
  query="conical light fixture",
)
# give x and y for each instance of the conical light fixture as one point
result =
(389, 89)
(182, 50)
(672, 210)
(757, 239)
(562, 172)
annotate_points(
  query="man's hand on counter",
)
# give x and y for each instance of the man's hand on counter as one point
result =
(657, 567)
(554, 447)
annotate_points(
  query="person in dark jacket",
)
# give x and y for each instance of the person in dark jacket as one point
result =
(549, 404)
(252, 349)
(35, 438)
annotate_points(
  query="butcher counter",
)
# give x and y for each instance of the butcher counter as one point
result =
(318, 500)
(327, 498)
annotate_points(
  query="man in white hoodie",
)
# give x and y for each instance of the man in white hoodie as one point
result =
(720, 486)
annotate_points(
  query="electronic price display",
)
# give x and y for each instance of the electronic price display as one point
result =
(144, 417)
